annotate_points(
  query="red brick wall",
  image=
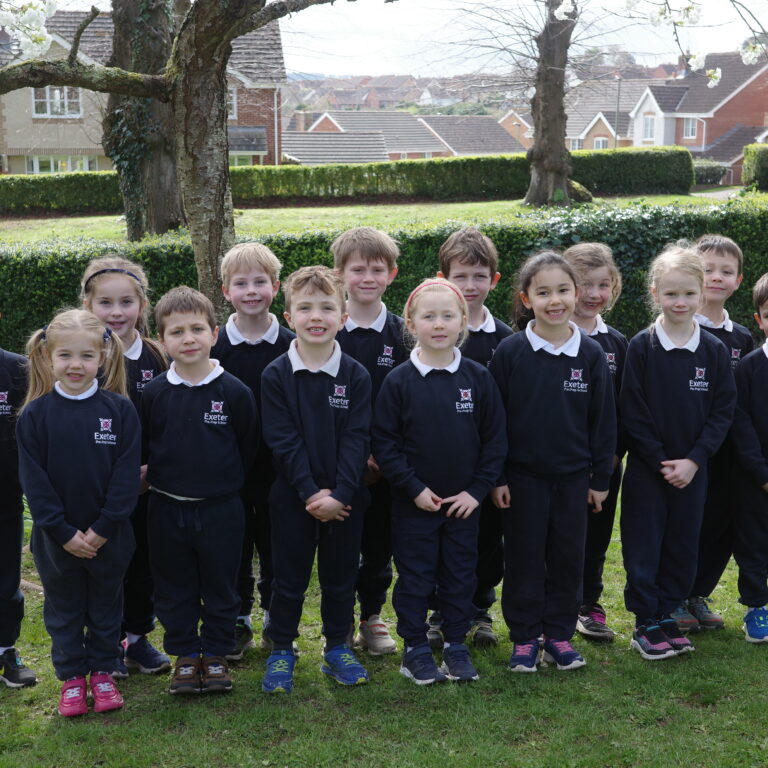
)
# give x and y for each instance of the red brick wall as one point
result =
(326, 125)
(256, 106)
(680, 141)
(417, 155)
(748, 107)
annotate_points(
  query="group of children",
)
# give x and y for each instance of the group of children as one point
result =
(464, 452)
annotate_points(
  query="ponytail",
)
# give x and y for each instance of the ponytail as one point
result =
(113, 376)
(40, 377)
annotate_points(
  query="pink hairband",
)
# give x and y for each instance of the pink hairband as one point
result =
(445, 284)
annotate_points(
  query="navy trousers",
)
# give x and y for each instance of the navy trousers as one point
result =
(11, 597)
(751, 543)
(138, 589)
(375, 575)
(490, 555)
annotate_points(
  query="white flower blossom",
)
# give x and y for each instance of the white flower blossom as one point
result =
(714, 76)
(659, 16)
(750, 53)
(690, 14)
(631, 5)
(25, 21)
(697, 61)
(565, 8)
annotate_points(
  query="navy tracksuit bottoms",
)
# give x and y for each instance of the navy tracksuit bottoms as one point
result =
(375, 575)
(11, 597)
(138, 589)
(750, 547)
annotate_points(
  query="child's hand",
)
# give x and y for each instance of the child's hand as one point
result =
(372, 473)
(679, 472)
(765, 487)
(501, 497)
(143, 484)
(94, 539)
(319, 495)
(428, 501)
(596, 499)
(327, 508)
(463, 504)
(616, 461)
(79, 547)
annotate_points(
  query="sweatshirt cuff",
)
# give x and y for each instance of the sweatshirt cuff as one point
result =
(413, 488)
(61, 532)
(599, 482)
(343, 494)
(479, 492)
(307, 489)
(104, 526)
(699, 455)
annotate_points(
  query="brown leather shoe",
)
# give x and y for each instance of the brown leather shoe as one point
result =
(215, 675)
(186, 675)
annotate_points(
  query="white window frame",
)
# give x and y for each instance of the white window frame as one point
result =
(232, 102)
(427, 155)
(649, 127)
(600, 142)
(403, 155)
(60, 101)
(577, 144)
(55, 163)
(240, 159)
(687, 123)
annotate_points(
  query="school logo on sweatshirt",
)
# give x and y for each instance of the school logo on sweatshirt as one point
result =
(385, 359)
(5, 408)
(339, 397)
(216, 415)
(699, 382)
(105, 436)
(146, 376)
(735, 357)
(576, 382)
(465, 404)
(610, 358)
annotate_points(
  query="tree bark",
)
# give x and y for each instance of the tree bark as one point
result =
(549, 159)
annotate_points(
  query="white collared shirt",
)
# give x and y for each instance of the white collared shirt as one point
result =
(377, 325)
(424, 369)
(134, 351)
(235, 337)
(173, 377)
(691, 345)
(330, 366)
(600, 326)
(765, 347)
(705, 322)
(570, 348)
(82, 396)
(488, 325)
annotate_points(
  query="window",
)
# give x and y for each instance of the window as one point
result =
(689, 127)
(577, 144)
(56, 101)
(231, 103)
(427, 155)
(649, 126)
(238, 160)
(601, 142)
(403, 155)
(61, 163)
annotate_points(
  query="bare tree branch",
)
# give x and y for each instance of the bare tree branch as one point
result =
(72, 58)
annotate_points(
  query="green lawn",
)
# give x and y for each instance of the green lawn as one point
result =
(703, 709)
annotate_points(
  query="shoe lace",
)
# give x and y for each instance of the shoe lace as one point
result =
(347, 659)
(75, 692)
(105, 687)
(597, 614)
(760, 617)
(186, 669)
(279, 666)
(216, 668)
(562, 646)
(525, 649)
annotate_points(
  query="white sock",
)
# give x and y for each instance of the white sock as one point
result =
(131, 638)
(266, 618)
(246, 620)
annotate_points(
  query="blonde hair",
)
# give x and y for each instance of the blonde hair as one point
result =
(675, 257)
(314, 279)
(435, 285)
(584, 257)
(249, 256)
(42, 343)
(185, 300)
(468, 246)
(368, 243)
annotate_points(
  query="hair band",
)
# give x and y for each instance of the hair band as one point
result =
(114, 269)
(42, 332)
(107, 333)
(446, 284)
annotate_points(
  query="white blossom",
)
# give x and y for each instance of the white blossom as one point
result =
(697, 61)
(659, 16)
(714, 76)
(25, 21)
(690, 14)
(630, 5)
(565, 8)
(750, 53)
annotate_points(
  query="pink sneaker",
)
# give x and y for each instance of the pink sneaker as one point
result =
(105, 694)
(73, 700)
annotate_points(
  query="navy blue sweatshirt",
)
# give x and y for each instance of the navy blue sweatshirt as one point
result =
(317, 426)
(79, 462)
(480, 345)
(444, 431)
(750, 423)
(13, 389)
(738, 340)
(198, 441)
(139, 372)
(561, 417)
(676, 404)
(377, 351)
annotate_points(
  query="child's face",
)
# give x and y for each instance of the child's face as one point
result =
(315, 317)
(552, 298)
(678, 293)
(473, 280)
(721, 276)
(595, 293)
(116, 302)
(76, 358)
(251, 293)
(437, 320)
(366, 280)
(188, 338)
(761, 318)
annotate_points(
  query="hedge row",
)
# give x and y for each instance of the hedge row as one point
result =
(756, 165)
(49, 273)
(708, 171)
(502, 177)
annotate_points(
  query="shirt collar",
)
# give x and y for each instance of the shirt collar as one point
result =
(376, 325)
(331, 366)
(691, 345)
(235, 337)
(424, 369)
(570, 348)
(134, 351)
(705, 322)
(82, 396)
(765, 347)
(173, 377)
(488, 325)
(600, 326)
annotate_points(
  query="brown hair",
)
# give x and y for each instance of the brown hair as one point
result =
(185, 300)
(584, 257)
(722, 245)
(368, 243)
(760, 292)
(468, 246)
(314, 279)
(531, 267)
(435, 285)
(249, 256)
(42, 342)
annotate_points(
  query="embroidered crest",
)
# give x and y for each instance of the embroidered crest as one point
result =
(735, 354)
(3, 397)
(387, 350)
(700, 373)
(105, 425)
(576, 374)
(610, 357)
(339, 390)
(147, 375)
(466, 394)
(217, 406)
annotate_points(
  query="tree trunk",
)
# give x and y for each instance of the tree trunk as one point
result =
(138, 133)
(549, 159)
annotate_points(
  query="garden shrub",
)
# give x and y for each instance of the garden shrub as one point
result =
(708, 171)
(755, 170)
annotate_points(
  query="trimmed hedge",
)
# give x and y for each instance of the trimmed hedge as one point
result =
(708, 171)
(755, 168)
(36, 280)
(497, 177)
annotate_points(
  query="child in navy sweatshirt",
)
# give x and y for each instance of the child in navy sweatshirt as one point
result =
(469, 260)
(561, 427)
(200, 433)
(316, 404)
(599, 289)
(116, 291)
(750, 442)
(439, 439)
(366, 259)
(79, 461)
(251, 340)
(677, 401)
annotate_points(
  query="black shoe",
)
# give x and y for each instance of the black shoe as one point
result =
(481, 633)
(14, 674)
(243, 640)
(434, 631)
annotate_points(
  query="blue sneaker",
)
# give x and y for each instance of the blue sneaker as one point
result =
(419, 665)
(121, 670)
(525, 656)
(279, 675)
(142, 655)
(756, 625)
(457, 665)
(342, 665)
(562, 653)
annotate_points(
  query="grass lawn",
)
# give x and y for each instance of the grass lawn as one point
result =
(702, 709)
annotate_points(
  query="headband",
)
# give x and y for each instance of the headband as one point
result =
(107, 333)
(113, 269)
(42, 332)
(446, 284)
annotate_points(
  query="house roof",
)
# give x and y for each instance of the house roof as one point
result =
(322, 147)
(402, 131)
(247, 138)
(473, 134)
(730, 145)
(668, 97)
